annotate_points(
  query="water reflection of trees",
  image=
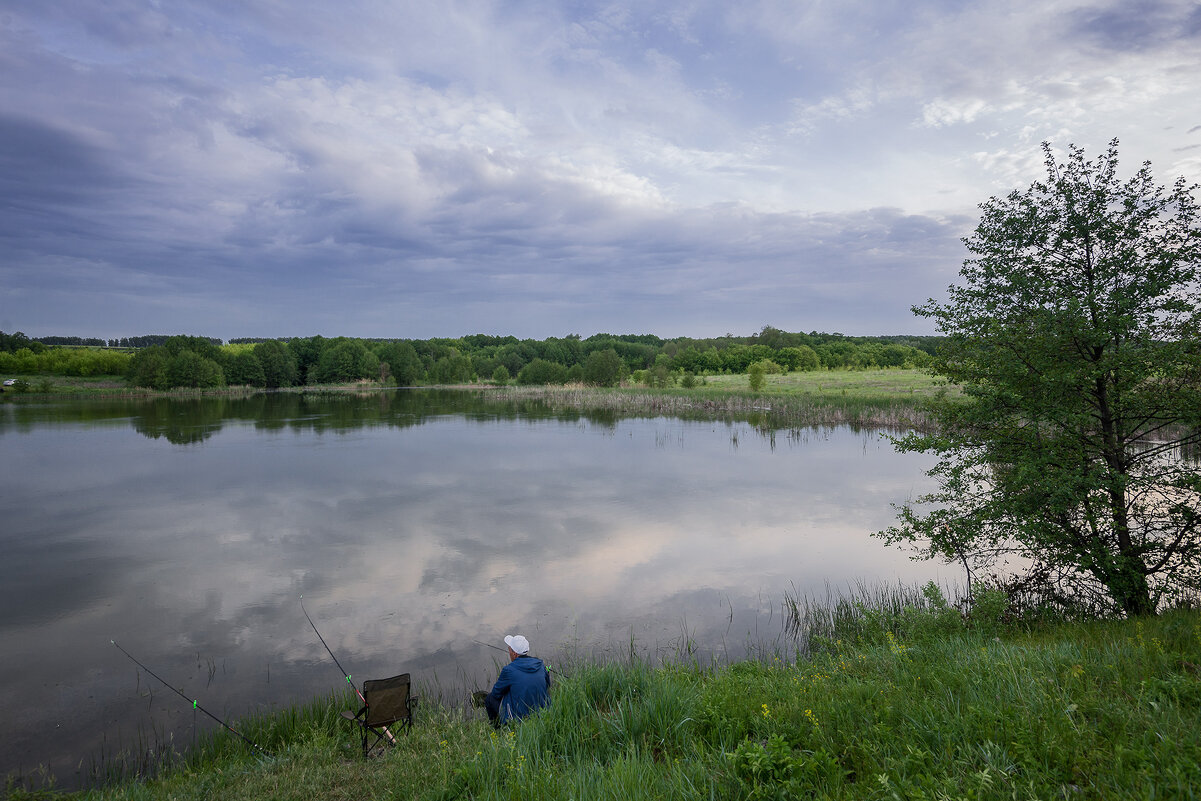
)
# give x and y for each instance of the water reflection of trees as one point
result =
(188, 421)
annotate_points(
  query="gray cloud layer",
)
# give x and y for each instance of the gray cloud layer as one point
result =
(437, 169)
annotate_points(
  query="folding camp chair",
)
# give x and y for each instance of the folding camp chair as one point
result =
(385, 701)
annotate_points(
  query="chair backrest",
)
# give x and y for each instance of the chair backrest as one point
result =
(387, 700)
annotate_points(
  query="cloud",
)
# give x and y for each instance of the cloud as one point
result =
(1137, 25)
(428, 168)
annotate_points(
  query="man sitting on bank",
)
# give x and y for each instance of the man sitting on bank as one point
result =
(522, 687)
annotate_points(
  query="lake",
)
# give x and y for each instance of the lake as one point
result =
(413, 523)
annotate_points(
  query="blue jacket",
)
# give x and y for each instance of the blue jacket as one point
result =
(522, 687)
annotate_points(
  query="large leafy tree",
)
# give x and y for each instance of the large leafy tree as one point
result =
(278, 363)
(604, 368)
(1074, 335)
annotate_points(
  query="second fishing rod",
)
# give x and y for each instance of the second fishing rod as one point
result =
(330, 651)
(195, 704)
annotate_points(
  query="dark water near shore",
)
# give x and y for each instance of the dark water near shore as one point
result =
(412, 522)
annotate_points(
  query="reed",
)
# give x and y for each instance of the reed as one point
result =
(782, 412)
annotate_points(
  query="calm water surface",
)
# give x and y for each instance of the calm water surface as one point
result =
(412, 523)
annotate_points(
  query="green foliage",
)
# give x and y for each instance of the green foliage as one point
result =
(604, 368)
(80, 362)
(159, 367)
(1076, 336)
(306, 352)
(757, 376)
(189, 369)
(148, 368)
(653, 361)
(773, 770)
(10, 343)
(500, 376)
(404, 364)
(278, 363)
(246, 370)
(803, 358)
(769, 367)
(989, 607)
(541, 371)
(451, 369)
(660, 376)
(344, 360)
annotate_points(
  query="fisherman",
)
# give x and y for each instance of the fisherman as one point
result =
(522, 687)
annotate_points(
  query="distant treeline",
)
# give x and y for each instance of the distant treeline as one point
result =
(21, 355)
(601, 359)
(122, 342)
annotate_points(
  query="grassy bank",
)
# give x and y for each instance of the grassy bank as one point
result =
(40, 385)
(911, 704)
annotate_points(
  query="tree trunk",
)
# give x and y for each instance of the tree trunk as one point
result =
(1129, 588)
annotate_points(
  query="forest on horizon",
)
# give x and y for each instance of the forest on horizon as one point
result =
(165, 361)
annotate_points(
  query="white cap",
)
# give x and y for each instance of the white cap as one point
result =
(519, 644)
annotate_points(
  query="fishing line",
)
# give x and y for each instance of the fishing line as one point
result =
(558, 673)
(195, 703)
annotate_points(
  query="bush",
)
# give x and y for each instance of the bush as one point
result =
(604, 368)
(756, 376)
(541, 371)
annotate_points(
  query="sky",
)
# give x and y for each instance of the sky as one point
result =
(416, 169)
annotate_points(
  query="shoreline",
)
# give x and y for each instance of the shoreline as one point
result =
(855, 398)
(921, 703)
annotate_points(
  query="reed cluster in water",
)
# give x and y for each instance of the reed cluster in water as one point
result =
(769, 412)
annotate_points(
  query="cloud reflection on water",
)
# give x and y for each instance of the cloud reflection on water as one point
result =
(407, 542)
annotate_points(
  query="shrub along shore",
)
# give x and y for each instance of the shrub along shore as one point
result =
(897, 701)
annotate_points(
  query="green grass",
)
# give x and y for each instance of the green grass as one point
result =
(69, 385)
(790, 397)
(943, 709)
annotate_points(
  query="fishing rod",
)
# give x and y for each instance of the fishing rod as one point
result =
(559, 673)
(195, 703)
(339, 664)
(331, 653)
